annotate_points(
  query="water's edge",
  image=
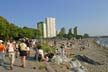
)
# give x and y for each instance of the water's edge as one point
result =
(102, 42)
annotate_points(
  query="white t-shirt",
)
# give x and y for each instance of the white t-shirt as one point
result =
(10, 47)
(41, 52)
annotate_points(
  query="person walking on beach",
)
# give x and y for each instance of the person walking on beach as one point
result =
(11, 53)
(62, 51)
(2, 50)
(17, 49)
(23, 53)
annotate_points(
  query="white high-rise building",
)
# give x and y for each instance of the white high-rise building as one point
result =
(50, 27)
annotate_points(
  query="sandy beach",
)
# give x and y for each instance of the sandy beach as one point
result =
(96, 53)
(93, 51)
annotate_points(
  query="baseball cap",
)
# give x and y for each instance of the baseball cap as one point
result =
(1, 41)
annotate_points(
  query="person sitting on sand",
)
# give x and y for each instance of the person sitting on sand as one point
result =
(46, 58)
(41, 53)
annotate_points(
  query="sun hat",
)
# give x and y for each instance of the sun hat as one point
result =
(1, 41)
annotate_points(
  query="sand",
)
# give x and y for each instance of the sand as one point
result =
(94, 52)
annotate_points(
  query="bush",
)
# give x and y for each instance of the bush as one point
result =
(46, 48)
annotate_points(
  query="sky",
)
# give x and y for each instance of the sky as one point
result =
(90, 16)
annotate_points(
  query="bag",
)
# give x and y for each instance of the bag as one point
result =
(23, 47)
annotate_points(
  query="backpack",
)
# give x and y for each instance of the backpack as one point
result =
(23, 47)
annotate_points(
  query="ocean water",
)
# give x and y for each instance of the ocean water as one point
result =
(103, 41)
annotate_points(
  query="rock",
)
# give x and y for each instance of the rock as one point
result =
(78, 70)
(77, 67)
(87, 59)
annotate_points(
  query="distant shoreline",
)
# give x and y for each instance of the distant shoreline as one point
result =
(101, 42)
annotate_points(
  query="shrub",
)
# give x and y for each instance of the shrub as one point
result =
(47, 48)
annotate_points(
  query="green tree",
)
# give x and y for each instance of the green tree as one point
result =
(62, 33)
(86, 35)
(36, 33)
(10, 30)
(79, 36)
(75, 32)
(3, 27)
(70, 35)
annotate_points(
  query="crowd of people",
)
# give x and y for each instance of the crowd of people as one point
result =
(13, 49)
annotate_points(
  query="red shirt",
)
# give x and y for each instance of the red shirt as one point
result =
(2, 47)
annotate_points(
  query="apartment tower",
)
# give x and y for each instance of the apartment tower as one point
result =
(50, 27)
(42, 28)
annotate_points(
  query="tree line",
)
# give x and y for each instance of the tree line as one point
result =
(11, 31)
(70, 35)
